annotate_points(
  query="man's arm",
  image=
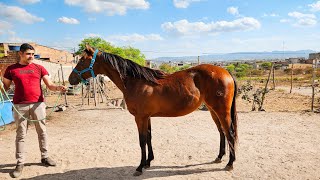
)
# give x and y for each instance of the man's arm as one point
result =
(52, 86)
(6, 84)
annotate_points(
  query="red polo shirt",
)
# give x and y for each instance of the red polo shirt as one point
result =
(27, 81)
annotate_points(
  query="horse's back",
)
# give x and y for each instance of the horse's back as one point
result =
(215, 74)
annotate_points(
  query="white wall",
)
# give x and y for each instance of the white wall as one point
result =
(54, 69)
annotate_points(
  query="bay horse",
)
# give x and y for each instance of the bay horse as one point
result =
(153, 93)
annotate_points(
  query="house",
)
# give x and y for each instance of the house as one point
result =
(49, 57)
(44, 53)
(314, 56)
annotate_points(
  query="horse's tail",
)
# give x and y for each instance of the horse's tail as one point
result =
(234, 116)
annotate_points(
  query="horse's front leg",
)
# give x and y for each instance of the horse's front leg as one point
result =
(150, 151)
(142, 124)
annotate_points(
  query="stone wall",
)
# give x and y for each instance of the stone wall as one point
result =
(11, 58)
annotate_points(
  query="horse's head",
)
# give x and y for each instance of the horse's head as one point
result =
(85, 68)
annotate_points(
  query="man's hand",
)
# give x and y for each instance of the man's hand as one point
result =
(61, 88)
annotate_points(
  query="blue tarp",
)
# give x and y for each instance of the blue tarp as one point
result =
(6, 112)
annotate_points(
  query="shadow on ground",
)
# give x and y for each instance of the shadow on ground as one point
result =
(125, 172)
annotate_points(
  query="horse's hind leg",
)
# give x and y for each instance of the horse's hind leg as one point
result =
(150, 151)
(222, 150)
(225, 121)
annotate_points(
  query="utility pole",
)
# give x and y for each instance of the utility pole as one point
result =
(314, 69)
(283, 50)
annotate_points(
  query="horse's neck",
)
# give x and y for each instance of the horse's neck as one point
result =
(115, 78)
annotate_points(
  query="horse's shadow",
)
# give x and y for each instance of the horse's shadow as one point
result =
(125, 172)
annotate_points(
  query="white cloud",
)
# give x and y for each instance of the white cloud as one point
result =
(315, 6)
(4, 27)
(67, 20)
(136, 37)
(110, 7)
(18, 39)
(285, 20)
(10, 36)
(270, 15)
(233, 11)
(18, 14)
(183, 3)
(92, 35)
(183, 27)
(299, 15)
(28, 1)
(306, 22)
(303, 19)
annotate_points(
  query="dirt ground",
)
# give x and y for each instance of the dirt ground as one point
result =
(100, 142)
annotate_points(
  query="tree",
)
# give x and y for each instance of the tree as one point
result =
(266, 65)
(1, 52)
(166, 68)
(183, 67)
(240, 70)
(130, 53)
(231, 67)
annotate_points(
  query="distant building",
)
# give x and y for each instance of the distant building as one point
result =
(314, 56)
(148, 63)
(296, 60)
(43, 53)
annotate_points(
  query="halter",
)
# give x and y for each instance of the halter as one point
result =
(90, 68)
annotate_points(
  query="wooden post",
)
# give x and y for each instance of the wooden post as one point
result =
(102, 92)
(124, 104)
(65, 93)
(89, 91)
(291, 78)
(274, 85)
(59, 76)
(99, 91)
(265, 88)
(314, 69)
(73, 86)
(82, 97)
(94, 91)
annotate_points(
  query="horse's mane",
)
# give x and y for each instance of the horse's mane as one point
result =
(128, 68)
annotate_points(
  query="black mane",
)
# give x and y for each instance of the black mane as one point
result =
(128, 68)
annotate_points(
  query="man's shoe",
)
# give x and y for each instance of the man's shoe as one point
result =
(17, 171)
(48, 162)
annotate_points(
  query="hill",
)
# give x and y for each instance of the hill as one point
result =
(241, 56)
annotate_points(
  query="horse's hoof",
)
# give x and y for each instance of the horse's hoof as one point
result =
(147, 166)
(137, 173)
(217, 160)
(228, 168)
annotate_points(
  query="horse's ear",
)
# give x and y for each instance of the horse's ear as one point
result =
(89, 48)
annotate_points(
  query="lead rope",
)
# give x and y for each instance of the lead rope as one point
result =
(14, 108)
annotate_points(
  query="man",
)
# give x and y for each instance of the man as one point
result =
(29, 101)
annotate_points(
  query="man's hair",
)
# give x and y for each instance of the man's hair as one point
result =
(25, 46)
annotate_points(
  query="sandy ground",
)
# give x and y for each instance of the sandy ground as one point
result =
(99, 143)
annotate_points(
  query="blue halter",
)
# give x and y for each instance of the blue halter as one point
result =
(90, 68)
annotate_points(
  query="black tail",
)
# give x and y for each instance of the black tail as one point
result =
(234, 116)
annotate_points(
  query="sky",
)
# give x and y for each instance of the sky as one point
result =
(166, 28)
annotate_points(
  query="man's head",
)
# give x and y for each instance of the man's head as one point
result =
(26, 54)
